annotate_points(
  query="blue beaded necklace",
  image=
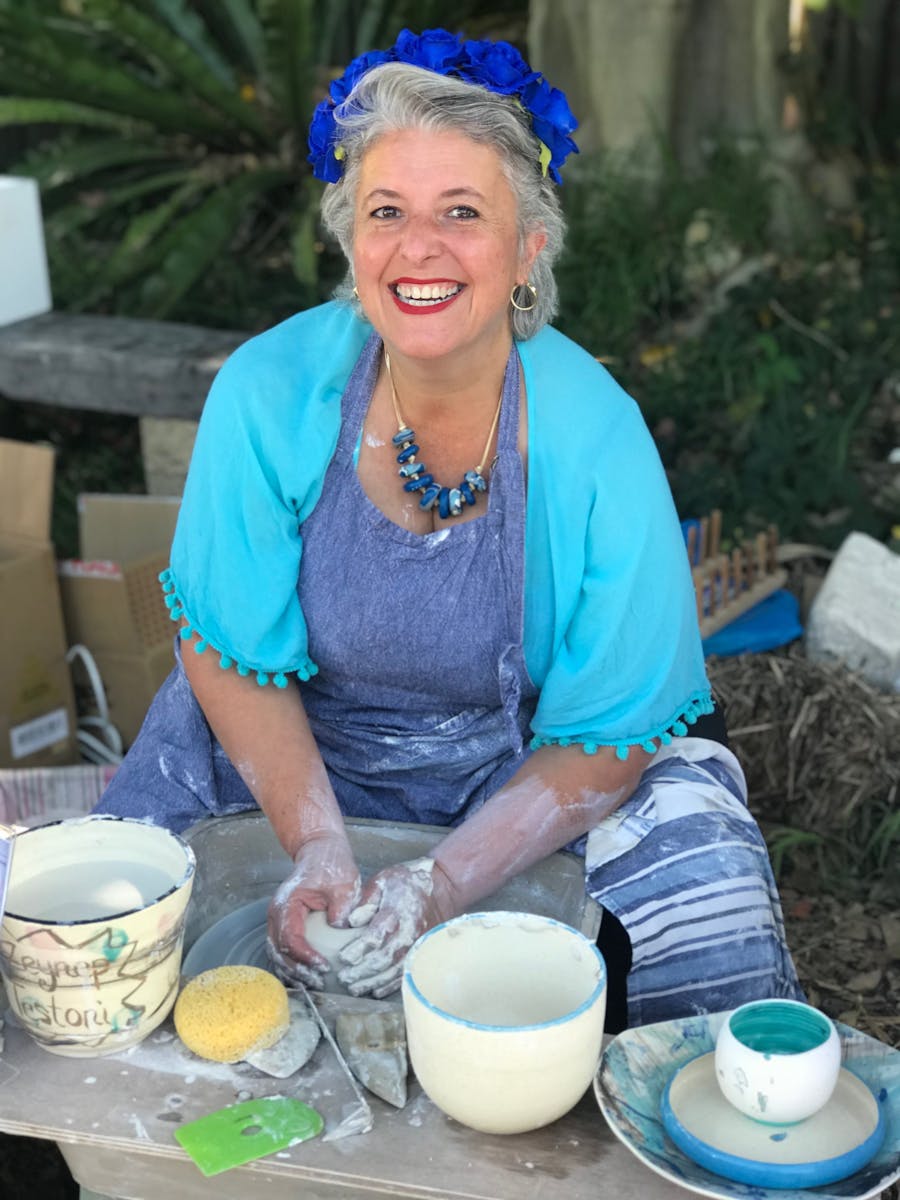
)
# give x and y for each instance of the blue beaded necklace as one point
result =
(449, 501)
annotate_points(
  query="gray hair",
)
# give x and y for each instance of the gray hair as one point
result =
(395, 96)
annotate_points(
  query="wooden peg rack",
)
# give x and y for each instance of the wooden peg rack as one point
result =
(726, 585)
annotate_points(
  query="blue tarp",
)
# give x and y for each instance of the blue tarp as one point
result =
(773, 622)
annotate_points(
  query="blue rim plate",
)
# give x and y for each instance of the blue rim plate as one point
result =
(637, 1066)
(830, 1145)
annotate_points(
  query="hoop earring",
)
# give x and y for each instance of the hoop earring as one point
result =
(524, 307)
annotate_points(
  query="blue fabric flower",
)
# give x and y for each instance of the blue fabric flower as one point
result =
(549, 105)
(322, 141)
(434, 49)
(341, 88)
(497, 66)
(552, 121)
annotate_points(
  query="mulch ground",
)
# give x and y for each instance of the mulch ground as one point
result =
(819, 746)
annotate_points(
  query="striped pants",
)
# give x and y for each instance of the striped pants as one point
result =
(685, 869)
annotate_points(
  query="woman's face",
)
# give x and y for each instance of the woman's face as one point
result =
(436, 246)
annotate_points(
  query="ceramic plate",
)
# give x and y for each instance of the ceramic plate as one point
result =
(638, 1065)
(835, 1142)
(238, 938)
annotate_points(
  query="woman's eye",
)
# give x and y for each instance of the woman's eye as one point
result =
(463, 212)
(385, 212)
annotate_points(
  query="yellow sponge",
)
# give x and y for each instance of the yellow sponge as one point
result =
(228, 1012)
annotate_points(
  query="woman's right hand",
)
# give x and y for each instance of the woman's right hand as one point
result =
(326, 878)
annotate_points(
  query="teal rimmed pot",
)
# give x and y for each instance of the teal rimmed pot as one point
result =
(777, 1061)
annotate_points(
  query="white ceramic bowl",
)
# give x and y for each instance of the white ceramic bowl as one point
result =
(777, 1061)
(504, 1018)
(91, 939)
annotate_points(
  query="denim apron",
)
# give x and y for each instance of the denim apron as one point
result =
(422, 701)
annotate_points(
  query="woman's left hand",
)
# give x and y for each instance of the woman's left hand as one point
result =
(397, 906)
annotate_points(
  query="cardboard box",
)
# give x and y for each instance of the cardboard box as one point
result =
(114, 605)
(37, 704)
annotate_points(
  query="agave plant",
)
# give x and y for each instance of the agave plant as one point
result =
(172, 156)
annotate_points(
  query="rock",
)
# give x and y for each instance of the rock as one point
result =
(855, 617)
(865, 981)
(890, 931)
(166, 446)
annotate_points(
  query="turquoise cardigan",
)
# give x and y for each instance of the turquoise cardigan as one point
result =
(610, 638)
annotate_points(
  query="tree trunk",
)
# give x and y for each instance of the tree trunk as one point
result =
(643, 75)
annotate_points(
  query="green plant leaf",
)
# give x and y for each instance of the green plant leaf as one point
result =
(196, 241)
(187, 25)
(885, 841)
(18, 110)
(304, 238)
(138, 246)
(59, 163)
(372, 28)
(85, 71)
(332, 25)
(783, 841)
(250, 33)
(135, 253)
(77, 216)
(151, 40)
(289, 52)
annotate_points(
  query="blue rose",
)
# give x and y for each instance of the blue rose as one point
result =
(341, 88)
(321, 144)
(497, 66)
(552, 121)
(435, 49)
(548, 105)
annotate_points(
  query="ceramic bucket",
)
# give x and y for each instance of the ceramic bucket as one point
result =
(91, 940)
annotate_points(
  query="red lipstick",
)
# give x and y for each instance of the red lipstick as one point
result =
(417, 308)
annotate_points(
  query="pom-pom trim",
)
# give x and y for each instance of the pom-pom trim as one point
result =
(264, 675)
(700, 704)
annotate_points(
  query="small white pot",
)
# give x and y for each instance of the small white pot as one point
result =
(504, 1018)
(777, 1061)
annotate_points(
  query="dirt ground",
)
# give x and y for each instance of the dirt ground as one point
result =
(848, 958)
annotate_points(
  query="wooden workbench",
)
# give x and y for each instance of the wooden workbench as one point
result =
(114, 1117)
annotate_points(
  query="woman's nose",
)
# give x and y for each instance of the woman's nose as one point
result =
(421, 239)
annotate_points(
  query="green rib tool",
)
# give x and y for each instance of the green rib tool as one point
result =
(243, 1132)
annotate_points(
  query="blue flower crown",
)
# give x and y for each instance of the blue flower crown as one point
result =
(497, 66)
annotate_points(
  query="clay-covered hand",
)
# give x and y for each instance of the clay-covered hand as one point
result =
(398, 905)
(325, 877)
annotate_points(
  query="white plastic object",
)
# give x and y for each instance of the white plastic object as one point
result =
(777, 1061)
(24, 278)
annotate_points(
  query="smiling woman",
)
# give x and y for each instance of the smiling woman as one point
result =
(435, 213)
(503, 642)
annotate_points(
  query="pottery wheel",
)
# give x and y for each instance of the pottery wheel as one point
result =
(237, 938)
